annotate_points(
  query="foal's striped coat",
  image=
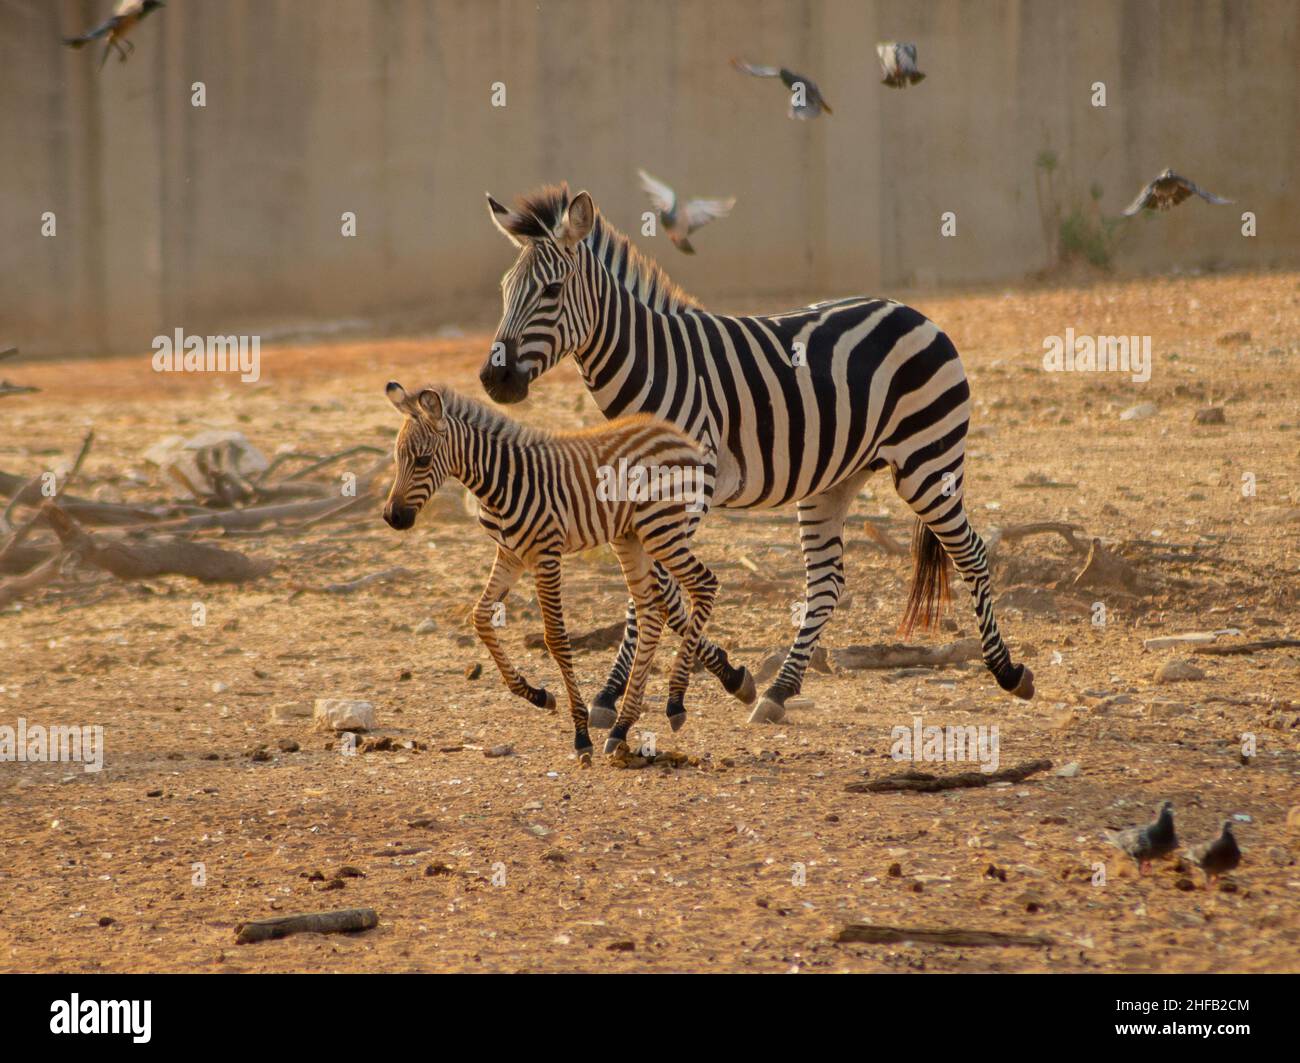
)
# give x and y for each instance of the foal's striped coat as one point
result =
(542, 495)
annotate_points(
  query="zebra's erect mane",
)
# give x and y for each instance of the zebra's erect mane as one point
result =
(472, 412)
(538, 213)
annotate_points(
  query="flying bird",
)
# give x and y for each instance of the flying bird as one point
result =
(1167, 191)
(1147, 843)
(899, 64)
(806, 100)
(1217, 856)
(680, 221)
(116, 27)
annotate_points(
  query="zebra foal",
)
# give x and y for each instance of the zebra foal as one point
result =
(543, 495)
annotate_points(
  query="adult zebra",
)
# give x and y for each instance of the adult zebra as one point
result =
(795, 407)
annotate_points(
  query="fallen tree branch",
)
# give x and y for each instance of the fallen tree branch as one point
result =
(24, 529)
(1022, 531)
(343, 921)
(1247, 647)
(900, 655)
(953, 937)
(209, 564)
(878, 536)
(42, 574)
(920, 782)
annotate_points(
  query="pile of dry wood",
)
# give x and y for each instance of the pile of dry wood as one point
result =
(46, 537)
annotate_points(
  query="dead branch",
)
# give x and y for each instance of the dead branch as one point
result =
(1065, 531)
(42, 574)
(951, 936)
(329, 459)
(1247, 647)
(7, 389)
(22, 531)
(900, 655)
(1104, 570)
(341, 922)
(920, 782)
(209, 564)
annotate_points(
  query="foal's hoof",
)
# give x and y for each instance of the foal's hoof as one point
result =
(1025, 688)
(550, 701)
(612, 744)
(767, 711)
(677, 719)
(600, 716)
(748, 691)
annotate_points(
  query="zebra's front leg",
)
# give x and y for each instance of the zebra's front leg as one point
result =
(549, 593)
(821, 537)
(636, 570)
(736, 681)
(702, 586)
(505, 571)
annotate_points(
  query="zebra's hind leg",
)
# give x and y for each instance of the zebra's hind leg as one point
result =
(548, 578)
(821, 537)
(944, 532)
(505, 571)
(736, 681)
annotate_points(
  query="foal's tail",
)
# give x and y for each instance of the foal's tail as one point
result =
(929, 595)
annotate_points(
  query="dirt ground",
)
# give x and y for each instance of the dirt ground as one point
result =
(528, 862)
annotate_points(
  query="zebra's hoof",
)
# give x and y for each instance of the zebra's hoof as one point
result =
(550, 702)
(676, 720)
(584, 758)
(767, 711)
(600, 716)
(748, 690)
(612, 744)
(1025, 688)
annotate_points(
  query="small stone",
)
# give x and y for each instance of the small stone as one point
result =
(499, 751)
(348, 871)
(1178, 671)
(154, 793)
(426, 626)
(106, 920)
(260, 754)
(895, 870)
(288, 745)
(1210, 415)
(1140, 412)
(621, 946)
(474, 671)
(343, 714)
(438, 869)
(1070, 771)
(219, 687)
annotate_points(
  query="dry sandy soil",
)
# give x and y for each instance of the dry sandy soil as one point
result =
(690, 868)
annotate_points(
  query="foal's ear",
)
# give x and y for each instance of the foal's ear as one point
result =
(499, 214)
(430, 403)
(577, 222)
(398, 397)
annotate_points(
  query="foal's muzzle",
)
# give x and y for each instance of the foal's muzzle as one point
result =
(399, 517)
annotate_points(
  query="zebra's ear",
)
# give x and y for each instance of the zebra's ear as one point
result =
(397, 396)
(430, 403)
(499, 214)
(577, 222)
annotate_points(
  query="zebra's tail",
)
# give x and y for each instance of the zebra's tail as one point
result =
(929, 594)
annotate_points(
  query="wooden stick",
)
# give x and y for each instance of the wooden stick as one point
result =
(1065, 531)
(953, 937)
(1247, 647)
(920, 782)
(343, 921)
(209, 564)
(37, 577)
(878, 536)
(25, 528)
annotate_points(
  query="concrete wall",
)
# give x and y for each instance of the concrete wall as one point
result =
(227, 218)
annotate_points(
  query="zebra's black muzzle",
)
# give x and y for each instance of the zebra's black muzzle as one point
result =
(503, 383)
(399, 517)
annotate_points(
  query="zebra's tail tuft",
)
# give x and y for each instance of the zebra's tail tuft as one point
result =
(929, 593)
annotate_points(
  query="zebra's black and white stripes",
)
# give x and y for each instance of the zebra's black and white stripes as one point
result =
(800, 406)
(544, 495)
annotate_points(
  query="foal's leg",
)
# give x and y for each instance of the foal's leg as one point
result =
(505, 571)
(547, 576)
(702, 586)
(643, 587)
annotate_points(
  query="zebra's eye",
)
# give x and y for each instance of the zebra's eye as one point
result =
(552, 289)
(423, 461)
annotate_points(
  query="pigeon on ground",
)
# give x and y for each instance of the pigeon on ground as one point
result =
(1167, 191)
(116, 27)
(1147, 843)
(805, 98)
(899, 64)
(680, 222)
(1218, 856)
